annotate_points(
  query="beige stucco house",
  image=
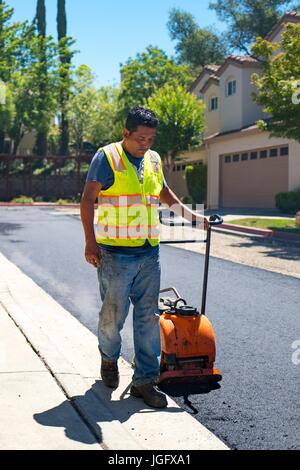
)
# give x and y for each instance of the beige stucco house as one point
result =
(246, 167)
(25, 147)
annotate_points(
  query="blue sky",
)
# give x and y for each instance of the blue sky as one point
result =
(109, 31)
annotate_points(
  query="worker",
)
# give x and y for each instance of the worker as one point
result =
(127, 178)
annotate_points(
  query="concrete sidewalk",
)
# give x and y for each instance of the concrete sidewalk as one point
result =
(51, 396)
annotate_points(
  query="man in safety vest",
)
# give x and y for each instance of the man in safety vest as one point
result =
(127, 179)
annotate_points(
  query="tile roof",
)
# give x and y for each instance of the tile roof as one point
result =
(212, 67)
(242, 59)
(290, 16)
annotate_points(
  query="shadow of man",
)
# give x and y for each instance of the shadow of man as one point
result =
(96, 406)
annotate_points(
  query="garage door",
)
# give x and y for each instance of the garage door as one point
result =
(252, 179)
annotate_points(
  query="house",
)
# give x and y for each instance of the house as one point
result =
(246, 167)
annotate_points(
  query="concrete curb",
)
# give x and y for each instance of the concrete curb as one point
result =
(70, 353)
(38, 204)
(260, 232)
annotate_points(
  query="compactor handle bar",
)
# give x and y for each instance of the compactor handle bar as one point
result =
(214, 220)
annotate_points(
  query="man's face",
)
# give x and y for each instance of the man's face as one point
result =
(140, 141)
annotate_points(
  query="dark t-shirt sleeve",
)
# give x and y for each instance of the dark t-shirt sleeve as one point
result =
(100, 171)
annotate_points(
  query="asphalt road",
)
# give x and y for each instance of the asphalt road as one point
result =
(255, 313)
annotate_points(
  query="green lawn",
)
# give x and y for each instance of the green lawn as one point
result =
(284, 225)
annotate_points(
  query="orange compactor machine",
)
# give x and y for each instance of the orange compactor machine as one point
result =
(188, 344)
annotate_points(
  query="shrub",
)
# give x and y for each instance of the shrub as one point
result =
(289, 202)
(187, 200)
(23, 200)
(196, 179)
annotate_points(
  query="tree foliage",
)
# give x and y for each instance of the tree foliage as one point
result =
(65, 44)
(33, 85)
(37, 73)
(181, 121)
(105, 128)
(82, 106)
(142, 76)
(9, 51)
(279, 85)
(61, 19)
(195, 46)
(247, 19)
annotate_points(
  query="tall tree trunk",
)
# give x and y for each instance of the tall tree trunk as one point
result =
(42, 137)
(64, 94)
(2, 133)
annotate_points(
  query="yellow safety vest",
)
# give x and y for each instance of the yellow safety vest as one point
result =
(128, 210)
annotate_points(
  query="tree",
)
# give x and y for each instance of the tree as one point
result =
(65, 55)
(196, 46)
(34, 103)
(41, 141)
(181, 122)
(279, 85)
(82, 109)
(105, 128)
(247, 19)
(7, 111)
(41, 18)
(143, 76)
(9, 42)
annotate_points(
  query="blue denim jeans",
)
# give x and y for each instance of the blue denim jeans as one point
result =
(135, 278)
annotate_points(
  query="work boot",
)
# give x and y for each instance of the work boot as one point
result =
(110, 373)
(150, 394)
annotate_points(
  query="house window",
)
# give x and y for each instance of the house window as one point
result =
(284, 151)
(214, 103)
(274, 153)
(227, 159)
(236, 158)
(231, 88)
(263, 154)
(253, 155)
(244, 157)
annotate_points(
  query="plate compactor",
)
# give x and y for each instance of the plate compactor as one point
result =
(188, 345)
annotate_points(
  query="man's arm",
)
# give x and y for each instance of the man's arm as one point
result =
(168, 197)
(87, 212)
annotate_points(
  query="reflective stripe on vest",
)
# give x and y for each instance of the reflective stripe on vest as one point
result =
(127, 200)
(116, 157)
(132, 232)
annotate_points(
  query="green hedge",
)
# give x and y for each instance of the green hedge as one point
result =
(288, 203)
(196, 179)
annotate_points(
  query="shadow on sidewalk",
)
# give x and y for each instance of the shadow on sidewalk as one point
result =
(86, 405)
